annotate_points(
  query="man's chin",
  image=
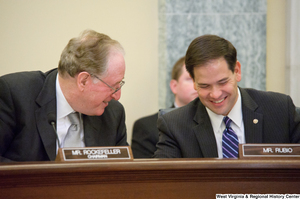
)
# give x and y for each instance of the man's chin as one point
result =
(218, 110)
(100, 112)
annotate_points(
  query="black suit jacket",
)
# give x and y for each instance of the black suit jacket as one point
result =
(26, 99)
(145, 136)
(187, 131)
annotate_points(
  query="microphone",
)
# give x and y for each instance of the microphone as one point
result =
(52, 121)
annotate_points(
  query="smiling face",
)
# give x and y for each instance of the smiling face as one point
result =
(216, 85)
(95, 94)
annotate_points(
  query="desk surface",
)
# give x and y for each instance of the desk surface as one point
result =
(149, 178)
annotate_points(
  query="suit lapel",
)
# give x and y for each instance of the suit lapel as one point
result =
(91, 131)
(47, 102)
(204, 133)
(253, 121)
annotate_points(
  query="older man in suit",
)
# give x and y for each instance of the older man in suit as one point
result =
(87, 82)
(224, 115)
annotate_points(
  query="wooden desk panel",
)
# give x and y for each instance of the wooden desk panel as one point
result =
(151, 178)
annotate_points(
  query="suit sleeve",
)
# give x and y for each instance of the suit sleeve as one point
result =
(144, 138)
(121, 139)
(7, 119)
(167, 146)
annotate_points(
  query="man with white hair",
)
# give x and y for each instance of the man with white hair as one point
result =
(36, 107)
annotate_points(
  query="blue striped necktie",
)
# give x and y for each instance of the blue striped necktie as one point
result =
(230, 142)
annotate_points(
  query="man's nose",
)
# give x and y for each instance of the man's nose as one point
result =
(215, 93)
(116, 95)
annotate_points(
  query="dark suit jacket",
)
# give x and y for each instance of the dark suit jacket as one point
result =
(26, 99)
(145, 136)
(187, 131)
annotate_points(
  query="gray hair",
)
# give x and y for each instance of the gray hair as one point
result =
(89, 52)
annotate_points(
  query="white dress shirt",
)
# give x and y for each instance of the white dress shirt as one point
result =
(237, 124)
(62, 121)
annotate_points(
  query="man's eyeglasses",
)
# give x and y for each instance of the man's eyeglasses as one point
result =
(114, 89)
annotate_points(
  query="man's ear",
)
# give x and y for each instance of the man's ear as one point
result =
(82, 80)
(173, 86)
(238, 71)
(194, 83)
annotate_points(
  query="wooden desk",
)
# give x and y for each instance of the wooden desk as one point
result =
(149, 178)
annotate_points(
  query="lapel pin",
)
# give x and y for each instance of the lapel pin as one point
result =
(255, 121)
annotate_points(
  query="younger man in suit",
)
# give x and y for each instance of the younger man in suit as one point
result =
(198, 130)
(88, 81)
(145, 132)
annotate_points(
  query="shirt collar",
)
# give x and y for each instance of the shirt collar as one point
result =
(235, 115)
(63, 107)
(176, 106)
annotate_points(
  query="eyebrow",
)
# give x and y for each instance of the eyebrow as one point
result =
(118, 82)
(201, 84)
(224, 79)
(221, 80)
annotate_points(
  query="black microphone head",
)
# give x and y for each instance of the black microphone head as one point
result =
(51, 117)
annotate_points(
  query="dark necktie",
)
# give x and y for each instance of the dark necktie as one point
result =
(230, 142)
(72, 138)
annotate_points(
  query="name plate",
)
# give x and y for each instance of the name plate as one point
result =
(269, 150)
(94, 153)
